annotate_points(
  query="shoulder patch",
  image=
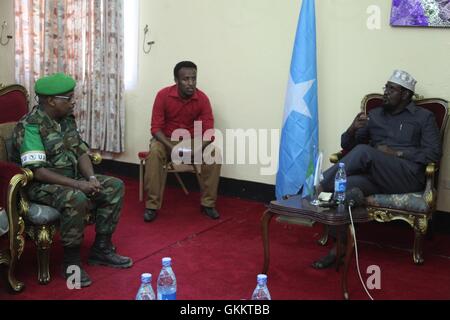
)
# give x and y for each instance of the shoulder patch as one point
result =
(32, 150)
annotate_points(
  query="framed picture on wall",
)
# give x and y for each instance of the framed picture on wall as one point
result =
(420, 13)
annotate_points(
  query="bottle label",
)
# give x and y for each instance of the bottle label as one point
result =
(168, 296)
(144, 296)
(339, 185)
(145, 293)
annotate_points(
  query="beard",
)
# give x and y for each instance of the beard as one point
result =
(387, 107)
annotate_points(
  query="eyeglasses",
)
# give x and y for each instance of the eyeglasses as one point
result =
(390, 88)
(69, 99)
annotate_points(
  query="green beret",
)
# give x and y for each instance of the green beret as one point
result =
(55, 84)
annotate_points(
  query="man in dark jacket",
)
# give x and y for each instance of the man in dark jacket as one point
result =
(402, 139)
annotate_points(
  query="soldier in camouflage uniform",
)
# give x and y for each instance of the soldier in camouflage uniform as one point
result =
(46, 141)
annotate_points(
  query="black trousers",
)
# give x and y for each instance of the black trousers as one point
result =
(376, 172)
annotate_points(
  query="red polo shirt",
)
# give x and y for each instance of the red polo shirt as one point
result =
(171, 112)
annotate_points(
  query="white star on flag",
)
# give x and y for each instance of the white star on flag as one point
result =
(295, 98)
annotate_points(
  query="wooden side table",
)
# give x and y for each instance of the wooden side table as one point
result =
(301, 208)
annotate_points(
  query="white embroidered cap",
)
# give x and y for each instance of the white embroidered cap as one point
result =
(404, 79)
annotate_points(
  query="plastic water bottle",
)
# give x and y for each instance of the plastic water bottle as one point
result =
(145, 291)
(340, 184)
(261, 291)
(167, 283)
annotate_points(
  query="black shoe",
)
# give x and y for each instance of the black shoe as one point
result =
(149, 215)
(324, 262)
(103, 254)
(211, 212)
(68, 271)
(327, 261)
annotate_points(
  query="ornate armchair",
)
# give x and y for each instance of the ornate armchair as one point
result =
(11, 224)
(12, 180)
(40, 222)
(414, 208)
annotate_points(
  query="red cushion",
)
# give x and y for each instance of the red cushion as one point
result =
(373, 103)
(438, 110)
(143, 155)
(13, 104)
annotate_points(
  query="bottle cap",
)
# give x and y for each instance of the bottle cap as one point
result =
(166, 261)
(261, 277)
(146, 277)
(341, 165)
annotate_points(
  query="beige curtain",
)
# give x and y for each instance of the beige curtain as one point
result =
(83, 38)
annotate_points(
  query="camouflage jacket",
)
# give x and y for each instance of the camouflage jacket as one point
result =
(40, 142)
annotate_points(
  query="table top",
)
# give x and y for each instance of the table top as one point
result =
(297, 207)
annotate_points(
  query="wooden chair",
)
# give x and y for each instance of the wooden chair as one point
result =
(414, 208)
(171, 168)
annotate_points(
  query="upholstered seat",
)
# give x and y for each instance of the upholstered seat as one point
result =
(4, 225)
(39, 214)
(406, 201)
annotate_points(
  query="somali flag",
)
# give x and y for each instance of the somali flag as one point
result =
(300, 136)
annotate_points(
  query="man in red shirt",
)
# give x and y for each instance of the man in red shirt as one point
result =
(178, 107)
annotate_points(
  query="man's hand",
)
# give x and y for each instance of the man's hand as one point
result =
(359, 122)
(159, 136)
(385, 149)
(95, 183)
(90, 187)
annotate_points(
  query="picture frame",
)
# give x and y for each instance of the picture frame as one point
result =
(420, 13)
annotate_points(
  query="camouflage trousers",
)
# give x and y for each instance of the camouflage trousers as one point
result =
(73, 205)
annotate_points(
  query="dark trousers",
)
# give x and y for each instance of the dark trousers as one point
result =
(375, 172)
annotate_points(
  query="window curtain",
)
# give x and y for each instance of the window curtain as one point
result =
(83, 38)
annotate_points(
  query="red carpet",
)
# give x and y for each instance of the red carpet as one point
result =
(219, 259)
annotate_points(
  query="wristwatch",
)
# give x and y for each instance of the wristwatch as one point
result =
(399, 154)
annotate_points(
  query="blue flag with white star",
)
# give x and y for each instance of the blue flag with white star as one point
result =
(300, 134)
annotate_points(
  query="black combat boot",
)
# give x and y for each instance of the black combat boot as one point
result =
(72, 259)
(103, 253)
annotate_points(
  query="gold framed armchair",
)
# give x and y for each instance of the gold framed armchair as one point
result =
(12, 181)
(11, 223)
(414, 208)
